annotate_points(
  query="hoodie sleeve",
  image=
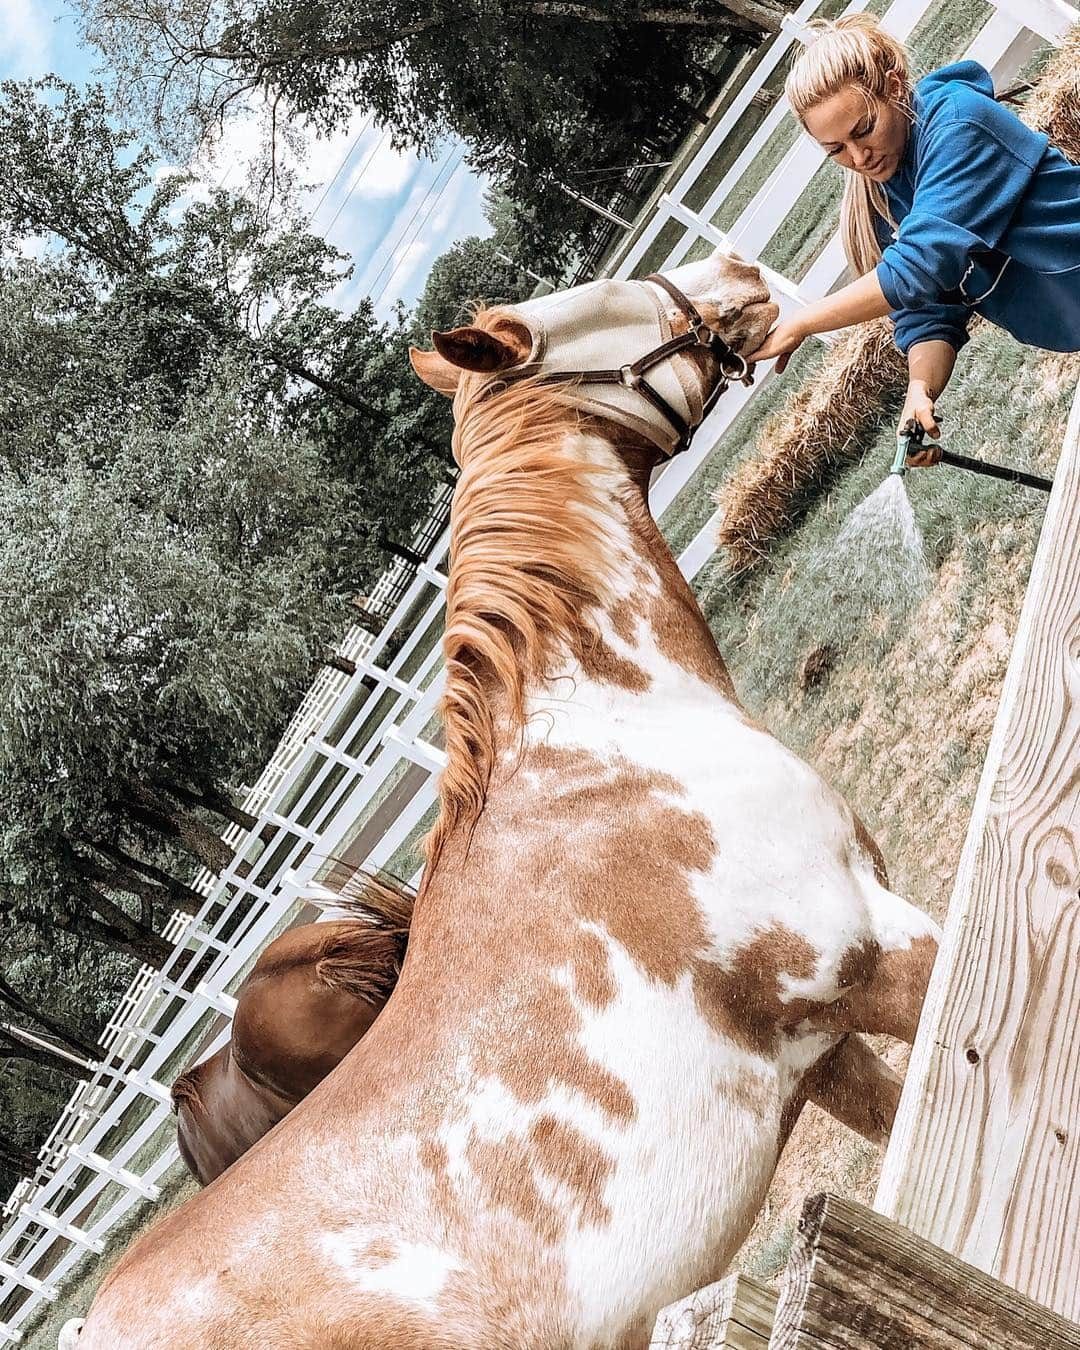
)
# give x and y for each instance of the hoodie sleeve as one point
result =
(934, 321)
(975, 165)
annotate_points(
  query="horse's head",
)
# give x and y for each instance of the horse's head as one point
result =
(621, 330)
(220, 1114)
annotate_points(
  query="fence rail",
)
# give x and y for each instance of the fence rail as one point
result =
(354, 775)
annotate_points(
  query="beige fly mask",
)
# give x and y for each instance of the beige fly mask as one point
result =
(604, 327)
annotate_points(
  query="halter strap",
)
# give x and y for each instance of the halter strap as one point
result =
(632, 376)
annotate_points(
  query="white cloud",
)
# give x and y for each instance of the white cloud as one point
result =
(25, 38)
(381, 171)
(355, 177)
(458, 213)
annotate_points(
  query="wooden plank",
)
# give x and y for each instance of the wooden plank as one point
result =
(985, 1155)
(856, 1281)
(733, 1314)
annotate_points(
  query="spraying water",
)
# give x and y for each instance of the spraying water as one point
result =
(880, 553)
(864, 582)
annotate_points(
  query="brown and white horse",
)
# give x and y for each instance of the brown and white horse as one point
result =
(310, 997)
(646, 931)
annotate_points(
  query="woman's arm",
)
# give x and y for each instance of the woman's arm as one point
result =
(858, 302)
(930, 364)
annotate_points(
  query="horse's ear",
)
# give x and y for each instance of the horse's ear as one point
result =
(472, 348)
(436, 373)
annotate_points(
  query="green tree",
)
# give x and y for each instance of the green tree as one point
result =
(538, 89)
(471, 270)
(163, 610)
(462, 65)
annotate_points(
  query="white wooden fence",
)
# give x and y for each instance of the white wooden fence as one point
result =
(355, 738)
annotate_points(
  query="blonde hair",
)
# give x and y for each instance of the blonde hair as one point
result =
(852, 51)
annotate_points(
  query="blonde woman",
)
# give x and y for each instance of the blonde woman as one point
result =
(952, 206)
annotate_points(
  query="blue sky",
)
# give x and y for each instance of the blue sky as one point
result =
(393, 214)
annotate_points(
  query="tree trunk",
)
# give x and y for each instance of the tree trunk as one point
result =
(758, 17)
(17, 1157)
(13, 1049)
(190, 834)
(181, 895)
(68, 1037)
(330, 387)
(109, 924)
(217, 802)
(131, 883)
(342, 663)
(763, 15)
(408, 555)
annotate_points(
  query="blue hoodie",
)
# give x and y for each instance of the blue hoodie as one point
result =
(989, 220)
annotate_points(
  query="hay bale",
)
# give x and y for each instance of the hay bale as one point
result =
(817, 430)
(1054, 106)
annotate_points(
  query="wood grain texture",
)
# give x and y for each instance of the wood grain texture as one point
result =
(856, 1281)
(733, 1314)
(985, 1154)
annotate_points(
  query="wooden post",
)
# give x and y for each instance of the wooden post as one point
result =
(985, 1155)
(734, 1314)
(856, 1281)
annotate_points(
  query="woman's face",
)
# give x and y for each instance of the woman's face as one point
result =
(862, 133)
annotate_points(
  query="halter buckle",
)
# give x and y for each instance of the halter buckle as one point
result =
(703, 333)
(628, 377)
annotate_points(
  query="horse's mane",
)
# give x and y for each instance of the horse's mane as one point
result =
(365, 959)
(530, 553)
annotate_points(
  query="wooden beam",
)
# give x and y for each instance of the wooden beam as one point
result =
(985, 1153)
(856, 1281)
(734, 1314)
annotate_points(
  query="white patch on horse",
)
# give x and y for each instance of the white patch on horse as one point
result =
(695, 1146)
(414, 1272)
(489, 1112)
(784, 838)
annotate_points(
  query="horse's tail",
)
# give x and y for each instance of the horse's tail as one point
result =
(382, 901)
(69, 1334)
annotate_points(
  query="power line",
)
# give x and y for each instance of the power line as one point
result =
(349, 154)
(353, 185)
(450, 164)
(417, 235)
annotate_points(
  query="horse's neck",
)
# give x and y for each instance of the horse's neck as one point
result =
(654, 640)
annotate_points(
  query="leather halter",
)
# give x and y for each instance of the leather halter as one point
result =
(632, 376)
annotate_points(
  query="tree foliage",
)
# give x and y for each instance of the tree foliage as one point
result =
(472, 270)
(200, 459)
(538, 89)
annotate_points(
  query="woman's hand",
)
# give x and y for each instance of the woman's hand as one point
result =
(780, 343)
(919, 408)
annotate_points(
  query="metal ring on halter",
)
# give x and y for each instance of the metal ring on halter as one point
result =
(728, 373)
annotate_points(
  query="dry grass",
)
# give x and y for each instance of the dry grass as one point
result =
(818, 430)
(1054, 106)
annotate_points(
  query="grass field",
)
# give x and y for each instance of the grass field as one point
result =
(900, 718)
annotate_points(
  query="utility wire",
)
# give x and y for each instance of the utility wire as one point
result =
(356, 180)
(449, 164)
(348, 155)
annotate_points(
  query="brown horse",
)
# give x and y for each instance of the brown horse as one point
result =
(647, 930)
(312, 994)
